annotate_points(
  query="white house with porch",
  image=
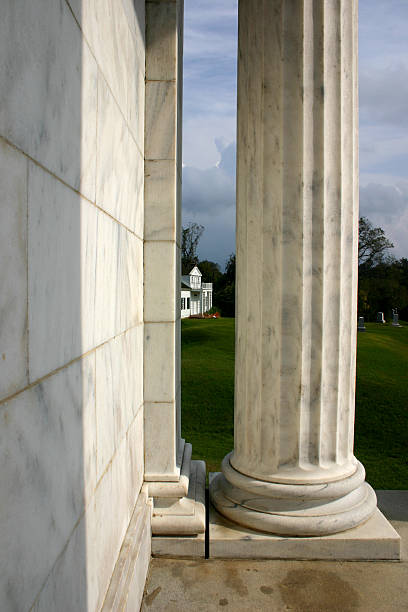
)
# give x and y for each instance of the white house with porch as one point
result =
(196, 296)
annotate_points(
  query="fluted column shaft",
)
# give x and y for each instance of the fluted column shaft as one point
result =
(297, 235)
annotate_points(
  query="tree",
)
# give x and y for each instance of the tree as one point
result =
(383, 280)
(373, 245)
(190, 237)
(225, 296)
(230, 268)
(211, 271)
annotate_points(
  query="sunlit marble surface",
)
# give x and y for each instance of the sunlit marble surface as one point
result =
(297, 217)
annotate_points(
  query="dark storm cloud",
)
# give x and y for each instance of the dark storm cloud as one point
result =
(209, 199)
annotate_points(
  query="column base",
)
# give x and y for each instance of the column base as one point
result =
(185, 515)
(375, 539)
(293, 510)
(178, 527)
(179, 507)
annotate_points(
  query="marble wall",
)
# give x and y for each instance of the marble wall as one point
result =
(71, 302)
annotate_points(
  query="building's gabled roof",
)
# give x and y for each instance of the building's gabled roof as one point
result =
(185, 280)
(195, 272)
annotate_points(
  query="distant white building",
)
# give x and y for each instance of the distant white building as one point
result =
(196, 297)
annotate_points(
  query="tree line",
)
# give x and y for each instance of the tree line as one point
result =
(382, 279)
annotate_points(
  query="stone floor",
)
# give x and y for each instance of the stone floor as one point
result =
(283, 586)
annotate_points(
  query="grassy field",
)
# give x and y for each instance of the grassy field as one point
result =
(381, 433)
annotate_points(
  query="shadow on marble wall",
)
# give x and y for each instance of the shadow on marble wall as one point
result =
(46, 389)
(53, 306)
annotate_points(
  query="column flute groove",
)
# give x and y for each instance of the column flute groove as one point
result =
(292, 470)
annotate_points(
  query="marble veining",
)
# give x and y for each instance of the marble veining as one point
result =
(160, 123)
(48, 445)
(13, 271)
(119, 381)
(52, 112)
(160, 287)
(61, 273)
(119, 185)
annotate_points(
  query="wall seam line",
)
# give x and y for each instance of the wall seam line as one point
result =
(63, 182)
(38, 381)
(103, 74)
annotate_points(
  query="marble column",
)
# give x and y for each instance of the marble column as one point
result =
(174, 481)
(293, 471)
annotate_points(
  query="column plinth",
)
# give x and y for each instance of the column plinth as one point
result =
(292, 471)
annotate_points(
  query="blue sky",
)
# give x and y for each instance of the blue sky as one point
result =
(210, 41)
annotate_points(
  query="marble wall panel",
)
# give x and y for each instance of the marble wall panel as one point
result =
(55, 123)
(107, 266)
(119, 185)
(106, 522)
(161, 41)
(160, 431)
(159, 356)
(129, 286)
(160, 215)
(180, 440)
(45, 476)
(136, 88)
(178, 353)
(128, 466)
(67, 581)
(135, 13)
(179, 197)
(138, 198)
(134, 458)
(121, 57)
(132, 356)
(109, 513)
(13, 271)
(179, 142)
(137, 584)
(119, 391)
(119, 280)
(61, 273)
(160, 133)
(160, 281)
(105, 27)
(180, 34)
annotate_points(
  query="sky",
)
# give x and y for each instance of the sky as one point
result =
(209, 121)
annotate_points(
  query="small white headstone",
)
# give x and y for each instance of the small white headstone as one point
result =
(361, 326)
(380, 317)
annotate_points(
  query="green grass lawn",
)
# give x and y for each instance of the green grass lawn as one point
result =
(381, 433)
(381, 430)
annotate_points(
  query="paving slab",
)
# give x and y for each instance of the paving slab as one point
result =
(285, 585)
